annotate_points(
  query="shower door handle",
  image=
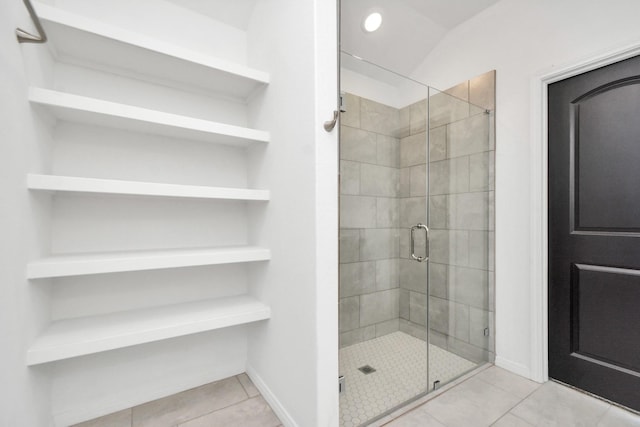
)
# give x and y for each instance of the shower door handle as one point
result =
(426, 243)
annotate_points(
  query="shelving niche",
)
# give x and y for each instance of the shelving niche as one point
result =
(74, 37)
(115, 262)
(82, 109)
(79, 40)
(92, 334)
(112, 186)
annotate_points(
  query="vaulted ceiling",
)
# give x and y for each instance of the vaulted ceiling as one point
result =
(410, 28)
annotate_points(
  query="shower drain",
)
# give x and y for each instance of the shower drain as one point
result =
(366, 369)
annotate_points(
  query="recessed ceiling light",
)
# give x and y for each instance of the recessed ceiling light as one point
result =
(372, 22)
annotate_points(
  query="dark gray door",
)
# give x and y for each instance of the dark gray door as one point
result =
(594, 232)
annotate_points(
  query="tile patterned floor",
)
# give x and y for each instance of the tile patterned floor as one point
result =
(491, 398)
(497, 398)
(232, 402)
(400, 361)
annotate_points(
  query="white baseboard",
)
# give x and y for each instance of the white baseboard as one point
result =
(272, 400)
(516, 368)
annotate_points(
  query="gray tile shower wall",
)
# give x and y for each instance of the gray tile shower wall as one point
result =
(369, 220)
(413, 210)
(383, 192)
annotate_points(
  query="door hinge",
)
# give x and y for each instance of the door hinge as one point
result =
(343, 103)
(341, 384)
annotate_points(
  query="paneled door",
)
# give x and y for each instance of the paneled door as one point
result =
(594, 232)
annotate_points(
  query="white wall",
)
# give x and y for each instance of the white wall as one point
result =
(24, 227)
(366, 87)
(164, 20)
(293, 356)
(521, 39)
(138, 374)
(369, 81)
(35, 225)
(326, 214)
(98, 384)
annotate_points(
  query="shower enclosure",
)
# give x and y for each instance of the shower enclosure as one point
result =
(416, 237)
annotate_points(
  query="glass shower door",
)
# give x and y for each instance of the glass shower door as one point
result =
(412, 242)
(383, 291)
(461, 235)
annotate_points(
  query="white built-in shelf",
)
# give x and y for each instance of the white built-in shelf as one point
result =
(115, 262)
(93, 334)
(82, 109)
(73, 37)
(74, 184)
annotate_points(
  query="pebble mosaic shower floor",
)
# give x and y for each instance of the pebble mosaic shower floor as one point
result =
(401, 373)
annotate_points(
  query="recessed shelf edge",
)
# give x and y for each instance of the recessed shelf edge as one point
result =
(117, 262)
(37, 182)
(55, 19)
(69, 338)
(71, 107)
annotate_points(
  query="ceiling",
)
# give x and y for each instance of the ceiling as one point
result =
(410, 28)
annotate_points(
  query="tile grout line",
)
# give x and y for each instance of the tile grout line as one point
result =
(446, 391)
(242, 385)
(453, 385)
(497, 419)
(514, 406)
(217, 410)
(520, 418)
(507, 391)
(508, 412)
(210, 412)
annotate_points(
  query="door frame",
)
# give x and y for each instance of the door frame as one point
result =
(539, 191)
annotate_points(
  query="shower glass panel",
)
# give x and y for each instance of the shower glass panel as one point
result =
(411, 166)
(461, 159)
